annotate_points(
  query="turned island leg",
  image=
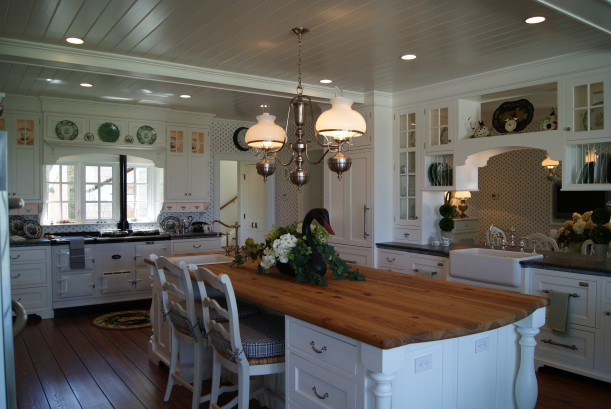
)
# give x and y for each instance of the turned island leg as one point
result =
(526, 389)
(382, 389)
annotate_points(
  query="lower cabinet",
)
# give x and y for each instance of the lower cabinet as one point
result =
(196, 245)
(412, 263)
(361, 256)
(31, 279)
(322, 368)
(585, 346)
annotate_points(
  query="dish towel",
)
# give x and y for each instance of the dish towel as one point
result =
(426, 273)
(558, 311)
(77, 254)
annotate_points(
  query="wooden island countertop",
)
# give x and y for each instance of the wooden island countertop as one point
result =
(389, 309)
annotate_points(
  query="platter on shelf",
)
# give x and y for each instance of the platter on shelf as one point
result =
(440, 174)
(108, 132)
(66, 130)
(16, 224)
(513, 116)
(146, 135)
(32, 229)
(170, 224)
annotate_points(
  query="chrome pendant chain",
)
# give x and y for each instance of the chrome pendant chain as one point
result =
(300, 31)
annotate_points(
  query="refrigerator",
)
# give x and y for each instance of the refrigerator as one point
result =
(7, 362)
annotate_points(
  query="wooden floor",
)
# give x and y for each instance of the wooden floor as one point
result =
(70, 363)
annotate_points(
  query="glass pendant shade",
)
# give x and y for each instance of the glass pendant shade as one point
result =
(265, 134)
(341, 122)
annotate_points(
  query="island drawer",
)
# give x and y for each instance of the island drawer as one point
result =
(315, 388)
(328, 349)
(576, 348)
(582, 300)
(195, 245)
(30, 254)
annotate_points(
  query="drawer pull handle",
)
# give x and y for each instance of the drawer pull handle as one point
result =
(325, 396)
(16, 257)
(574, 295)
(406, 235)
(440, 264)
(584, 284)
(196, 247)
(552, 342)
(390, 260)
(351, 261)
(318, 351)
(17, 276)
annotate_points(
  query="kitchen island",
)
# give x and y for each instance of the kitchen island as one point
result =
(400, 341)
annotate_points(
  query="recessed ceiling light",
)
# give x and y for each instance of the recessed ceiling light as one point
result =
(535, 20)
(74, 40)
(325, 81)
(408, 57)
(185, 96)
(86, 85)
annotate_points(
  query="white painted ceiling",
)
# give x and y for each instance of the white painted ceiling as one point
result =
(233, 55)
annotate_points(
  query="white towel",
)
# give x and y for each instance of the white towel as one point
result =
(77, 254)
(426, 273)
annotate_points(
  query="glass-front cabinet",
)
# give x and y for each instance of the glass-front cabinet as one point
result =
(587, 105)
(407, 167)
(439, 129)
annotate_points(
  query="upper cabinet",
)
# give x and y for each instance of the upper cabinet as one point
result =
(23, 154)
(187, 173)
(365, 141)
(407, 166)
(587, 107)
(439, 129)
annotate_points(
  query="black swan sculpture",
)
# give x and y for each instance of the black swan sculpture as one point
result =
(316, 263)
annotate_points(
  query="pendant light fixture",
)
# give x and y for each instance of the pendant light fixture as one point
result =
(333, 130)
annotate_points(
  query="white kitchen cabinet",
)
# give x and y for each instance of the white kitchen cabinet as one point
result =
(587, 107)
(187, 173)
(585, 346)
(392, 260)
(24, 150)
(197, 245)
(425, 265)
(349, 201)
(407, 167)
(31, 279)
(365, 141)
(440, 127)
(361, 256)
(144, 280)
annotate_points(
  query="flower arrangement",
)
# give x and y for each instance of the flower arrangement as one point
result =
(592, 225)
(288, 246)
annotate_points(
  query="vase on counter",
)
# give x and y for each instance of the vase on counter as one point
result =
(600, 251)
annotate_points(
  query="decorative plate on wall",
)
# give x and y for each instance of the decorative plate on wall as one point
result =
(109, 132)
(66, 130)
(146, 135)
(170, 224)
(513, 116)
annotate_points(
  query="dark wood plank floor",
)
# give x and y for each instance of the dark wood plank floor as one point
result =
(69, 363)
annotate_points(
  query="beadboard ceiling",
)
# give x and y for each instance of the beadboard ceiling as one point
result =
(233, 55)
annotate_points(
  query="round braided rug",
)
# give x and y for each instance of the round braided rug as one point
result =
(124, 320)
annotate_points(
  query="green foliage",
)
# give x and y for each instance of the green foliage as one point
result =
(446, 223)
(600, 234)
(447, 210)
(299, 256)
(600, 216)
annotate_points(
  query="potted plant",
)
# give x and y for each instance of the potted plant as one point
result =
(600, 234)
(446, 210)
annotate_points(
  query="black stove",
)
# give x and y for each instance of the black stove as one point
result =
(93, 236)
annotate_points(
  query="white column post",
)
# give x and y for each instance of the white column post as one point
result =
(382, 389)
(526, 389)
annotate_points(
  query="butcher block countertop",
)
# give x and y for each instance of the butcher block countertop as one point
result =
(387, 310)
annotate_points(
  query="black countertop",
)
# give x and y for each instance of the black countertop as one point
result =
(559, 261)
(54, 241)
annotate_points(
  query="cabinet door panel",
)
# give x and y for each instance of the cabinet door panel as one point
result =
(176, 183)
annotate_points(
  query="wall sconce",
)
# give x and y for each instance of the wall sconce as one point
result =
(551, 166)
(462, 206)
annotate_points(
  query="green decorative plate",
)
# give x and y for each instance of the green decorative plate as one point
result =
(146, 135)
(109, 132)
(66, 130)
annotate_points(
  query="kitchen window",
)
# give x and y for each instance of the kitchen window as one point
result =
(87, 192)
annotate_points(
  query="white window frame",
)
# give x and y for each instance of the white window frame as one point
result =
(80, 193)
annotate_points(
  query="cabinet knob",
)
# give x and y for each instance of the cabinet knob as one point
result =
(405, 235)
(567, 128)
(607, 312)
